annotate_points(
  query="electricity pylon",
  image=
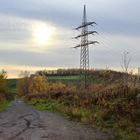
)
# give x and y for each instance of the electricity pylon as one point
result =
(84, 45)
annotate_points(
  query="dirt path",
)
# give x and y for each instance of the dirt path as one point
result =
(21, 122)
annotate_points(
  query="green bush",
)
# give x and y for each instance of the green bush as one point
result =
(3, 77)
(3, 105)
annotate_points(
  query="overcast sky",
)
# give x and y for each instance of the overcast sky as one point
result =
(22, 20)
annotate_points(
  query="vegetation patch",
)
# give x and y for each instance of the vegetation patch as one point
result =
(4, 105)
(42, 105)
(6, 95)
(107, 106)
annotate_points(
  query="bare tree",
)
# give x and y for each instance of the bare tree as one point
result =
(126, 59)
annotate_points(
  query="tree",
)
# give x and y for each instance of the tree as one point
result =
(125, 65)
(23, 83)
(37, 84)
(31, 84)
(3, 77)
(126, 62)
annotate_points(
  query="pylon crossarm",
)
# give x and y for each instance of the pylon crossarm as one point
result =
(85, 24)
(88, 33)
(85, 44)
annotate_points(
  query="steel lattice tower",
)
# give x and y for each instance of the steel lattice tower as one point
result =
(84, 58)
(84, 45)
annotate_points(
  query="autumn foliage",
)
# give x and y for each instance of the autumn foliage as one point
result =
(37, 85)
(110, 105)
(34, 84)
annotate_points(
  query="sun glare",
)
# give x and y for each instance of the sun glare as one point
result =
(42, 33)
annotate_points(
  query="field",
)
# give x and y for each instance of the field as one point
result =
(64, 79)
(98, 76)
(11, 84)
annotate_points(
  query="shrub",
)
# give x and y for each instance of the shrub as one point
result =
(37, 84)
(23, 84)
(34, 84)
(3, 77)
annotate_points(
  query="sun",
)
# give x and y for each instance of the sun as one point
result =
(42, 33)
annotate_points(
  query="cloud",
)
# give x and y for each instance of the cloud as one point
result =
(109, 47)
(14, 29)
(118, 28)
(113, 16)
(54, 58)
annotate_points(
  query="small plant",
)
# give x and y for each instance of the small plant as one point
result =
(3, 105)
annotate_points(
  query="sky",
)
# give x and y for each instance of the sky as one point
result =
(37, 34)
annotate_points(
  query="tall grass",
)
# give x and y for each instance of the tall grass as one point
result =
(114, 107)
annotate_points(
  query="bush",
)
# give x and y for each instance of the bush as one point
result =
(3, 77)
(37, 84)
(22, 84)
(29, 85)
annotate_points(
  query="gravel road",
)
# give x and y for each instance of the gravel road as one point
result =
(21, 122)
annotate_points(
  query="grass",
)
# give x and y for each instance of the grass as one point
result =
(43, 105)
(67, 80)
(11, 84)
(72, 77)
(4, 105)
(79, 114)
(114, 109)
(73, 113)
(87, 116)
